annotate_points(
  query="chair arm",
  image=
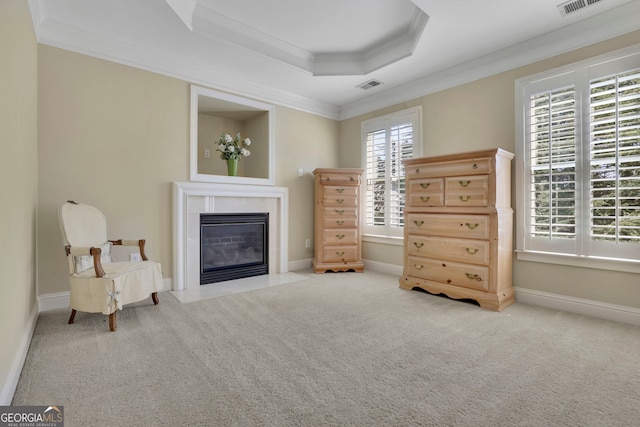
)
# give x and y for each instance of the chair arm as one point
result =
(128, 242)
(94, 252)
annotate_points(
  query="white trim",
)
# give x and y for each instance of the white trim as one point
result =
(383, 267)
(55, 301)
(627, 266)
(300, 264)
(60, 300)
(11, 382)
(182, 190)
(602, 310)
(385, 240)
(609, 24)
(196, 92)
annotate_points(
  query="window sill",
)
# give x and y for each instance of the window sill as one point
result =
(615, 264)
(385, 240)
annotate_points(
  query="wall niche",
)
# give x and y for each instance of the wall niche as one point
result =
(214, 112)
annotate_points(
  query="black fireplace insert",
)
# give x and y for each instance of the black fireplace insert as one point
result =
(233, 246)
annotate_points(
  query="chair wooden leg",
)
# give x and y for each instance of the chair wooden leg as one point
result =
(73, 316)
(112, 322)
(154, 297)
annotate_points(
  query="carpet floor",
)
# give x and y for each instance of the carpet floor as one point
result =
(347, 349)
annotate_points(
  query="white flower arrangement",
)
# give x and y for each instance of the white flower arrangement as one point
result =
(233, 148)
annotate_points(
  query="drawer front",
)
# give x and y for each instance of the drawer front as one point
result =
(333, 190)
(334, 222)
(339, 200)
(339, 179)
(464, 250)
(450, 272)
(340, 213)
(470, 226)
(340, 237)
(342, 254)
(426, 192)
(481, 166)
(467, 191)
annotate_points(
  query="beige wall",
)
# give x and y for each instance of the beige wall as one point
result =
(304, 141)
(116, 137)
(480, 115)
(18, 192)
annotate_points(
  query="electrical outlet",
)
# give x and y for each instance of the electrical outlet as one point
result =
(207, 153)
(135, 257)
(307, 243)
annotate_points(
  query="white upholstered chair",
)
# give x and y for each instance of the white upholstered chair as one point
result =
(97, 284)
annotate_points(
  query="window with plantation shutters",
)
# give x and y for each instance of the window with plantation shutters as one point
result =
(579, 174)
(387, 141)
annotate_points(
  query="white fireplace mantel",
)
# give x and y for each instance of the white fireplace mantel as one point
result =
(192, 198)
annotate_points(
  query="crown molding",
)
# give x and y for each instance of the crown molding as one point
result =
(613, 23)
(56, 34)
(210, 22)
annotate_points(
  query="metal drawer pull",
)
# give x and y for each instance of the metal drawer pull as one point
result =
(340, 222)
(340, 190)
(475, 277)
(471, 226)
(418, 267)
(464, 183)
(465, 198)
(425, 198)
(418, 244)
(340, 236)
(339, 253)
(328, 179)
(340, 201)
(472, 251)
(425, 184)
(339, 211)
(352, 178)
(418, 223)
(475, 166)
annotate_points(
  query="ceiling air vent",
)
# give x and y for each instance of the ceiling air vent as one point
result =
(575, 5)
(369, 84)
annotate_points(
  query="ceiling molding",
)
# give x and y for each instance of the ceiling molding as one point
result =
(399, 45)
(184, 10)
(64, 36)
(612, 23)
(177, 64)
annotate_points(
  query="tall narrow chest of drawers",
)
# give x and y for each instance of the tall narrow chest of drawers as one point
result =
(337, 243)
(458, 227)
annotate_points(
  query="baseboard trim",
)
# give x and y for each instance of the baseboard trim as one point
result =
(54, 301)
(300, 264)
(11, 382)
(602, 310)
(383, 267)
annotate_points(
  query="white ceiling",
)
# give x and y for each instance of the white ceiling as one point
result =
(312, 55)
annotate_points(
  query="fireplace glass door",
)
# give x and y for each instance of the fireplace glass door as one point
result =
(233, 246)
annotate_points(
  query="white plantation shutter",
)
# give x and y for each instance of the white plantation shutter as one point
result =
(553, 164)
(580, 171)
(387, 141)
(615, 158)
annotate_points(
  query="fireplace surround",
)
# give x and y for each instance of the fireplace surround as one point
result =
(190, 199)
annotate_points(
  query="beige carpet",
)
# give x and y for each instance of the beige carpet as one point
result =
(342, 349)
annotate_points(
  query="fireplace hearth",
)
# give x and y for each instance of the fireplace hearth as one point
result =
(233, 246)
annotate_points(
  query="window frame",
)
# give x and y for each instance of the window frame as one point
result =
(387, 233)
(579, 252)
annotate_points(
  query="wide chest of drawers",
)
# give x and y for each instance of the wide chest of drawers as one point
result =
(337, 242)
(458, 227)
